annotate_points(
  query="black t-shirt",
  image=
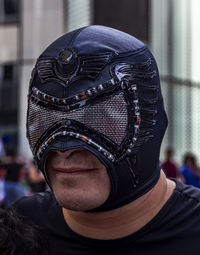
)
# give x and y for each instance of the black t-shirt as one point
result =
(175, 229)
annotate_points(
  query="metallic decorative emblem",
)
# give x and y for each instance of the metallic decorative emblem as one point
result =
(66, 56)
(69, 66)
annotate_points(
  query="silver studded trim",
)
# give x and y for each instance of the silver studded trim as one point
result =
(133, 88)
(86, 139)
(79, 97)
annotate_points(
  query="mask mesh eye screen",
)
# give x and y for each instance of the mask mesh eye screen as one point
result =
(108, 117)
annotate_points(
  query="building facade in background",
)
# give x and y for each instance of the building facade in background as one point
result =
(170, 28)
(9, 67)
(175, 40)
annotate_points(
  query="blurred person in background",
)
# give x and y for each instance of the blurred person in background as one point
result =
(2, 154)
(2, 150)
(190, 170)
(170, 167)
(12, 170)
(2, 194)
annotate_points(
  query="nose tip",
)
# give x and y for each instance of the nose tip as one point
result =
(66, 154)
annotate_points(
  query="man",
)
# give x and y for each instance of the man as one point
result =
(95, 124)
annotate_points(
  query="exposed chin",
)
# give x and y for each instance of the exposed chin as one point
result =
(79, 202)
(78, 205)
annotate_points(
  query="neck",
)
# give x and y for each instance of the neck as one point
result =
(122, 221)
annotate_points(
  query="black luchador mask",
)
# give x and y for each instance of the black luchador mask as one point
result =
(98, 88)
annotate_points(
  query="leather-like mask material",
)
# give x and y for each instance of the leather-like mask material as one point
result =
(98, 88)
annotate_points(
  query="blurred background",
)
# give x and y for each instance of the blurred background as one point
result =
(170, 28)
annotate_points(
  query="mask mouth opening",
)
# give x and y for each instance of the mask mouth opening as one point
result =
(79, 132)
(68, 143)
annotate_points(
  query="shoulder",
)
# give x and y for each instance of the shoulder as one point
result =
(188, 192)
(186, 205)
(181, 213)
(36, 206)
